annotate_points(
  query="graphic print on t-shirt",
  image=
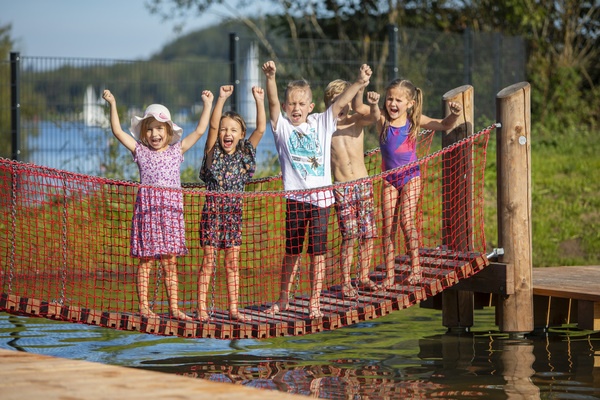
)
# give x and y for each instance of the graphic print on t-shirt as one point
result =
(306, 153)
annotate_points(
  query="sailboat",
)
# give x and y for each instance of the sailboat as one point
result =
(93, 110)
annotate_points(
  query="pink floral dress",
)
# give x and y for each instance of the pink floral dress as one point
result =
(158, 226)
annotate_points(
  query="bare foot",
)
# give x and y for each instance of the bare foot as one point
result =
(180, 315)
(315, 313)
(236, 316)
(277, 307)
(348, 291)
(147, 312)
(415, 276)
(388, 283)
(314, 309)
(201, 315)
(369, 286)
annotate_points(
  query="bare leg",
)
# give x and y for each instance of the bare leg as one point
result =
(169, 264)
(366, 252)
(204, 277)
(143, 280)
(317, 272)
(389, 207)
(410, 200)
(347, 254)
(288, 273)
(233, 282)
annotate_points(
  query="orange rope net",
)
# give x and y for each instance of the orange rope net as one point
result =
(66, 251)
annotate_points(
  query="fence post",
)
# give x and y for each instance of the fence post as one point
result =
(393, 52)
(513, 155)
(15, 104)
(457, 204)
(234, 40)
(469, 52)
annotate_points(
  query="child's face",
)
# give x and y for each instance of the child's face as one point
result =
(298, 106)
(157, 135)
(397, 102)
(230, 134)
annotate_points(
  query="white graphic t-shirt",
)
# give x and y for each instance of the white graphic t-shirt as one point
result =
(305, 156)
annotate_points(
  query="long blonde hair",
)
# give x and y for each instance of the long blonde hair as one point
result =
(413, 93)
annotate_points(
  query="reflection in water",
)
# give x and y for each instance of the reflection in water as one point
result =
(517, 360)
(407, 356)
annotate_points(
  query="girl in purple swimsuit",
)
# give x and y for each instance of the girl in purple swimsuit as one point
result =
(399, 123)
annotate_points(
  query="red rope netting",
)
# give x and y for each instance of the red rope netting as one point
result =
(66, 250)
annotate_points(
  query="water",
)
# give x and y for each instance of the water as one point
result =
(75, 147)
(405, 355)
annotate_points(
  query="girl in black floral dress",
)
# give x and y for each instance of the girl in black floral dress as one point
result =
(229, 163)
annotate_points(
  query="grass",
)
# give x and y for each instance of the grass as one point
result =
(565, 196)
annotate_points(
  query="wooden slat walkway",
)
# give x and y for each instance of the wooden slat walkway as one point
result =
(567, 295)
(33, 376)
(441, 269)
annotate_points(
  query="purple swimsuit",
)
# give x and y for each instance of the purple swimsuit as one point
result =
(398, 150)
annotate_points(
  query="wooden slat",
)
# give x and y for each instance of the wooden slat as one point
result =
(576, 282)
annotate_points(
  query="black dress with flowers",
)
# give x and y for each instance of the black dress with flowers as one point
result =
(221, 222)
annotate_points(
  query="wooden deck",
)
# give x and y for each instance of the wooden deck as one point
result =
(564, 295)
(33, 376)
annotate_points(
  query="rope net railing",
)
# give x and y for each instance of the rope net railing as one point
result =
(66, 242)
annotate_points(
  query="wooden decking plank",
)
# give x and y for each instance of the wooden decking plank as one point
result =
(330, 318)
(576, 282)
(349, 310)
(276, 327)
(295, 325)
(241, 330)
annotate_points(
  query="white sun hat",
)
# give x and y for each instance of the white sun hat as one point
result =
(160, 113)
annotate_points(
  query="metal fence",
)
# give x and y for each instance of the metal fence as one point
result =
(58, 119)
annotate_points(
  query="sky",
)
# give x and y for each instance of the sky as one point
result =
(113, 29)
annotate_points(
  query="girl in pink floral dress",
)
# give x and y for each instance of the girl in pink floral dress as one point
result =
(229, 162)
(158, 230)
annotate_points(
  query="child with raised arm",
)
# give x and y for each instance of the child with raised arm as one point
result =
(399, 124)
(229, 163)
(158, 228)
(303, 144)
(354, 203)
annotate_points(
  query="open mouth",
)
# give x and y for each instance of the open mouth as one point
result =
(227, 142)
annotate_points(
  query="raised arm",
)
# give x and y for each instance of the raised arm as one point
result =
(261, 116)
(115, 124)
(215, 120)
(445, 124)
(192, 138)
(270, 69)
(347, 95)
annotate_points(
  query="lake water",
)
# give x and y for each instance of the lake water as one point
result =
(75, 147)
(405, 355)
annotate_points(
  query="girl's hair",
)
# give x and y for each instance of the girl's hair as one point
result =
(334, 89)
(144, 127)
(413, 114)
(300, 84)
(237, 118)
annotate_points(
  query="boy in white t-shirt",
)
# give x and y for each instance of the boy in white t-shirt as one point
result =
(303, 144)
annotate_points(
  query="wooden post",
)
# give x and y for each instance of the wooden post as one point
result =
(513, 111)
(457, 228)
